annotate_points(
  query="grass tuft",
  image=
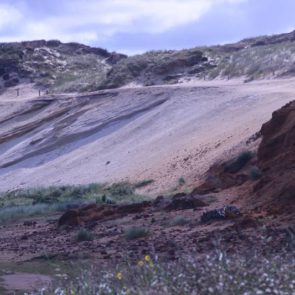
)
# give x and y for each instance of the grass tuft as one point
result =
(255, 173)
(84, 235)
(44, 200)
(135, 232)
(181, 181)
(179, 221)
(143, 183)
(238, 163)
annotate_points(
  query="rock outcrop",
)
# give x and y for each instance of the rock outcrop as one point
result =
(276, 159)
(96, 212)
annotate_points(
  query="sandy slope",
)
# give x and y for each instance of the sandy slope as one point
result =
(159, 133)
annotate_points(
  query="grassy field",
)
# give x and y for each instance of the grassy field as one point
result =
(41, 201)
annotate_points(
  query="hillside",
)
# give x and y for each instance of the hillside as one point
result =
(70, 67)
(169, 165)
(55, 66)
(160, 133)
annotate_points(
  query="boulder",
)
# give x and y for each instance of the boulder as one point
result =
(226, 212)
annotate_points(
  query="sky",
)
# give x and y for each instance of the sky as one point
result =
(135, 26)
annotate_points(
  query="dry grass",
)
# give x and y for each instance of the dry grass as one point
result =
(217, 274)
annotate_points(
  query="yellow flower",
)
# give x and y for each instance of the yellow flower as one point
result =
(119, 275)
(140, 263)
(147, 258)
(151, 265)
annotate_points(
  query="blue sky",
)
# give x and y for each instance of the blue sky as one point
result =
(134, 26)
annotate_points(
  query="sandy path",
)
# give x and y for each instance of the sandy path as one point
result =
(159, 133)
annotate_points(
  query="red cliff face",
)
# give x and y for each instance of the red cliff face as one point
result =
(276, 159)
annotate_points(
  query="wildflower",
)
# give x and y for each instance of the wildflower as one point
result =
(140, 263)
(119, 275)
(147, 258)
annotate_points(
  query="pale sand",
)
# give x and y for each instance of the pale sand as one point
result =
(161, 132)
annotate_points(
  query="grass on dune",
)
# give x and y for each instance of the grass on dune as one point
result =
(44, 200)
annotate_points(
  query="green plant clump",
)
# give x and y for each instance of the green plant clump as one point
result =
(135, 232)
(255, 173)
(84, 235)
(238, 163)
(143, 183)
(179, 221)
(181, 181)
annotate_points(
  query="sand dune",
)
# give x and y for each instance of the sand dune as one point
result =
(159, 133)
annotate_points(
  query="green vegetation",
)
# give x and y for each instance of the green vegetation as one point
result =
(181, 181)
(179, 221)
(84, 235)
(238, 163)
(257, 62)
(40, 201)
(143, 183)
(10, 214)
(135, 232)
(152, 66)
(255, 173)
(72, 67)
(82, 73)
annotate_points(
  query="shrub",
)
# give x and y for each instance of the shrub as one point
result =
(135, 232)
(255, 173)
(104, 200)
(143, 183)
(44, 200)
(238, 163)
(181, 181)
(121, 189)
(16, 212)
(84, 235)
(179, 221)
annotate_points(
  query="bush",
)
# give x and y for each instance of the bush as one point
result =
(179, 221)
(39, 201)
(181, 181)
(84, 235)
(255, 173)
(121, 189)
(238, 163)
(143, 183)
(135, 233)
(14, 213)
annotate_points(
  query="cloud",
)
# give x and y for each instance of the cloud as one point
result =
(98, 20)
(153, 16)
(9, 16)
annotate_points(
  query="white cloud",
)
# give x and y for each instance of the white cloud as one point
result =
(9, 15)
(97, 20)
(153, 16)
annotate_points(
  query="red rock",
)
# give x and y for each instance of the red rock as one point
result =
(276, 159)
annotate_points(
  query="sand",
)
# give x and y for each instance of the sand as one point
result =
(160, 132)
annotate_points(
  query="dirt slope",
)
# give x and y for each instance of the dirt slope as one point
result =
(276, 159)
(159, 133)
